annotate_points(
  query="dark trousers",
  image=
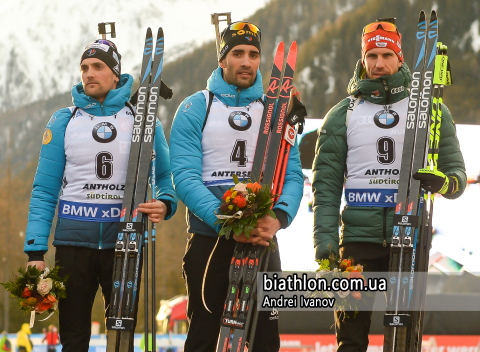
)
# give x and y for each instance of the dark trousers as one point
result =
(352, 332)
(205, 326)
(87, 268)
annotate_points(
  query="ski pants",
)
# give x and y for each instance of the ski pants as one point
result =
(352, 332)
(87, 268)
(205, 326)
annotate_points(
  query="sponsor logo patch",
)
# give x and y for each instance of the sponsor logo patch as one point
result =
(187, 105)
(240, 120)
(379, 38)
(397, 90)
(47, 136)
(90, 106)
(104, 132)
(386, 119)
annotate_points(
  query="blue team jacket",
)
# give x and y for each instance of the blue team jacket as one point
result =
(48, 178)
(186, 158)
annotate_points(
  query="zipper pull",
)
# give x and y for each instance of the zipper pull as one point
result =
(384, 243)
(385, 85)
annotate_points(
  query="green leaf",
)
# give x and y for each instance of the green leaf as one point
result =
(225, 231)
(271, 213)
(235, 179)
(248, 230)
(238, 230)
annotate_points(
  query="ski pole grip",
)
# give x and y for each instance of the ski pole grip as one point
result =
(216, 19)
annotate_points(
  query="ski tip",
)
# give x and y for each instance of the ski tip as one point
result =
(278, 61)
(160, 32)
(433, 16)
(421, 16)
(293, 47)
(292, 55)
(149, 32)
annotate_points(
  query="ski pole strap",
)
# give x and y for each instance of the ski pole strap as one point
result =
(209, 106)
(441, 66)
(165, 91)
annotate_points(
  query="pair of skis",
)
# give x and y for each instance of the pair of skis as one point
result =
(133, 226)
(406, 294)
(275, 138)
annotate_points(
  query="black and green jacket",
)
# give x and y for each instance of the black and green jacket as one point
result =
(365, 224)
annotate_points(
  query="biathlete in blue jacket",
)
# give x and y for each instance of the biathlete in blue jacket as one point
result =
(83, 162)
(214, 135)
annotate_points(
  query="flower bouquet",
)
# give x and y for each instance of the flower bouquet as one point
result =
(37, 291)
(334, 267)
(242, 206)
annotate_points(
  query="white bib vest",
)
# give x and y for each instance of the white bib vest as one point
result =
(375, 143)
(97, 150)
(229, 140)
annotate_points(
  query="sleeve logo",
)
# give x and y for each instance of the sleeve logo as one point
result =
(47, 136)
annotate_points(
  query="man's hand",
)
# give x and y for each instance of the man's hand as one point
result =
(266, 228)
(39, 264)
(296, 110)
(436, 181)
(155, 209)
(293, 92)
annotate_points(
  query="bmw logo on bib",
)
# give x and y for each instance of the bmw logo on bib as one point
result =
(104, 132)
(240, 120)
(386, 119)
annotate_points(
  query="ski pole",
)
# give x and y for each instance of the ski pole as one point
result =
(153, 229)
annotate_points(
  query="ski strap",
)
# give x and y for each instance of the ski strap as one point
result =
(209, 105)
(351, 106)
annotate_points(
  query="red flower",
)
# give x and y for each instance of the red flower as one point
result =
(49, 298)
(26, 293)
(43, 306)
(240, 201)
(357, 274)
(254, 187)
(228, 193)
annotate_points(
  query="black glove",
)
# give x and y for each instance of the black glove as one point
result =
(436, 181)
(297, 114)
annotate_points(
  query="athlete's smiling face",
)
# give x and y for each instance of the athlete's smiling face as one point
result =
(240, 65)
(381, 62)
(97, 78)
